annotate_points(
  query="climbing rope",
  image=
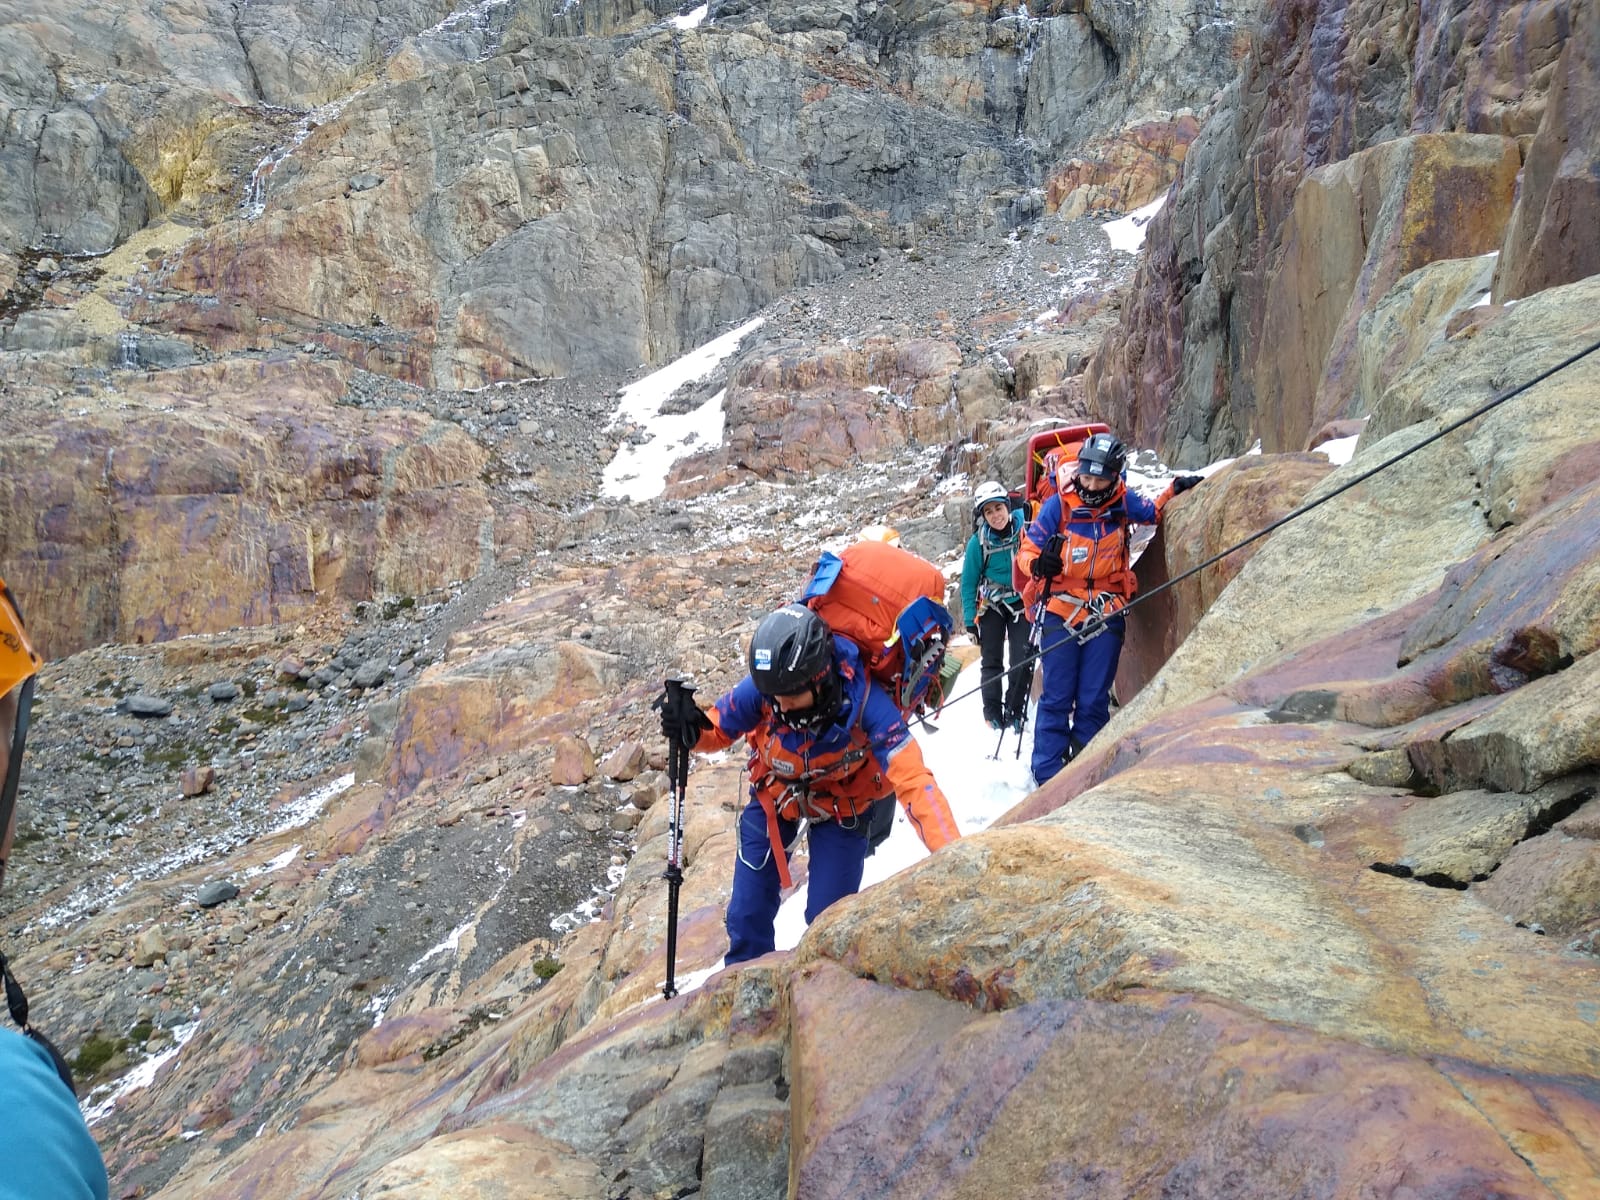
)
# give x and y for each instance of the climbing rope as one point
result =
(1097, 626)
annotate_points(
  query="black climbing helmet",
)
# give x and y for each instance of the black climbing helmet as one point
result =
(793, 650)
(1103, 457)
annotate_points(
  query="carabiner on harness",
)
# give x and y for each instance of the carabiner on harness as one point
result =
(1100, 607)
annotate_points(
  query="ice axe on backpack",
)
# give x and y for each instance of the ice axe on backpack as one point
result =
(677, 706)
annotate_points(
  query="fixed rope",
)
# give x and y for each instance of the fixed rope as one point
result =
(1098, 625)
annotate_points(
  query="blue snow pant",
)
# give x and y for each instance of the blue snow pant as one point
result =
(1075, 698)
(838, 853)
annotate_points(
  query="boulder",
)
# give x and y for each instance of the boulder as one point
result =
(197, 781)
(150, 947)
(148, 707)
(218, 891)
(624, 762)
(574, 761)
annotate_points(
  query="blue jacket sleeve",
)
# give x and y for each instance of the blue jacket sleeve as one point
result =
(738, 712)
(1047, 524)
(49, 1150)
(1142, 510)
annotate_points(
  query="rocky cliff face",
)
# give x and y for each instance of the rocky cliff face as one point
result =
(1315, 915)
(1243, 316)
(449, 199)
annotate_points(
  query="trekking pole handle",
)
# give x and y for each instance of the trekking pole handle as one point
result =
(1052, 545)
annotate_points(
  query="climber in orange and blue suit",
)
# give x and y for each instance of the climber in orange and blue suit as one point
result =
(1077, 548)
(826, 745)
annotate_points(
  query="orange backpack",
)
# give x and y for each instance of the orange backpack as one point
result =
(890, 603)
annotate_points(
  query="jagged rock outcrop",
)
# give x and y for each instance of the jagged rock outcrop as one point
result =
(1560, 193)
(794, 411)
(1323, 83)
(119, 113)
(1123, 172)
(398, 224)
(1357, 226)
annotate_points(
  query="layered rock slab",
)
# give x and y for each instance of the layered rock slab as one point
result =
(1151, 1096)
(282, 501)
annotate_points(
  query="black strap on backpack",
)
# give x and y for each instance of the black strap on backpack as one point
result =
(19, 739)
(17, 1002)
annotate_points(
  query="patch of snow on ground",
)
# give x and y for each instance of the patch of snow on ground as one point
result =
(142, 1076)
(1340, 450)
(307, 808)
(639, 470)
(1127, 233)
(276, 864)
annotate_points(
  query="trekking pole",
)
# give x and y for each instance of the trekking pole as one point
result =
(679, 699)
(1022, 717)
(1036, 637)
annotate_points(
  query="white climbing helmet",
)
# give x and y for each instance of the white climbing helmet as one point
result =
(987, 493)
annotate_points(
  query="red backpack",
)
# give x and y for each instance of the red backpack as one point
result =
(890, 603)
(1052, 457)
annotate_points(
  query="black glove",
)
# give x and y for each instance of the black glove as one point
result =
(972, 631)
(682, 722)
(1047, 566)
(1184, 482)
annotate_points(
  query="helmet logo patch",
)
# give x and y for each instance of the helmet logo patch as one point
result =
(763, 659)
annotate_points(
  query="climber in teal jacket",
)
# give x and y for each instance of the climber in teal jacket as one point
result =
(991, 609)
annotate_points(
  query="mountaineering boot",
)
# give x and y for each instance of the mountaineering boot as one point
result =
(992, 718)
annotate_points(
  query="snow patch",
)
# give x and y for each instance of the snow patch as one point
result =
(1339, 450)
(1127, 233)
(142, 1076)
(308, 807)
(639, 470)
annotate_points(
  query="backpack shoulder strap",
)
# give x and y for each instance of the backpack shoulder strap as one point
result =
(1011, 541)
